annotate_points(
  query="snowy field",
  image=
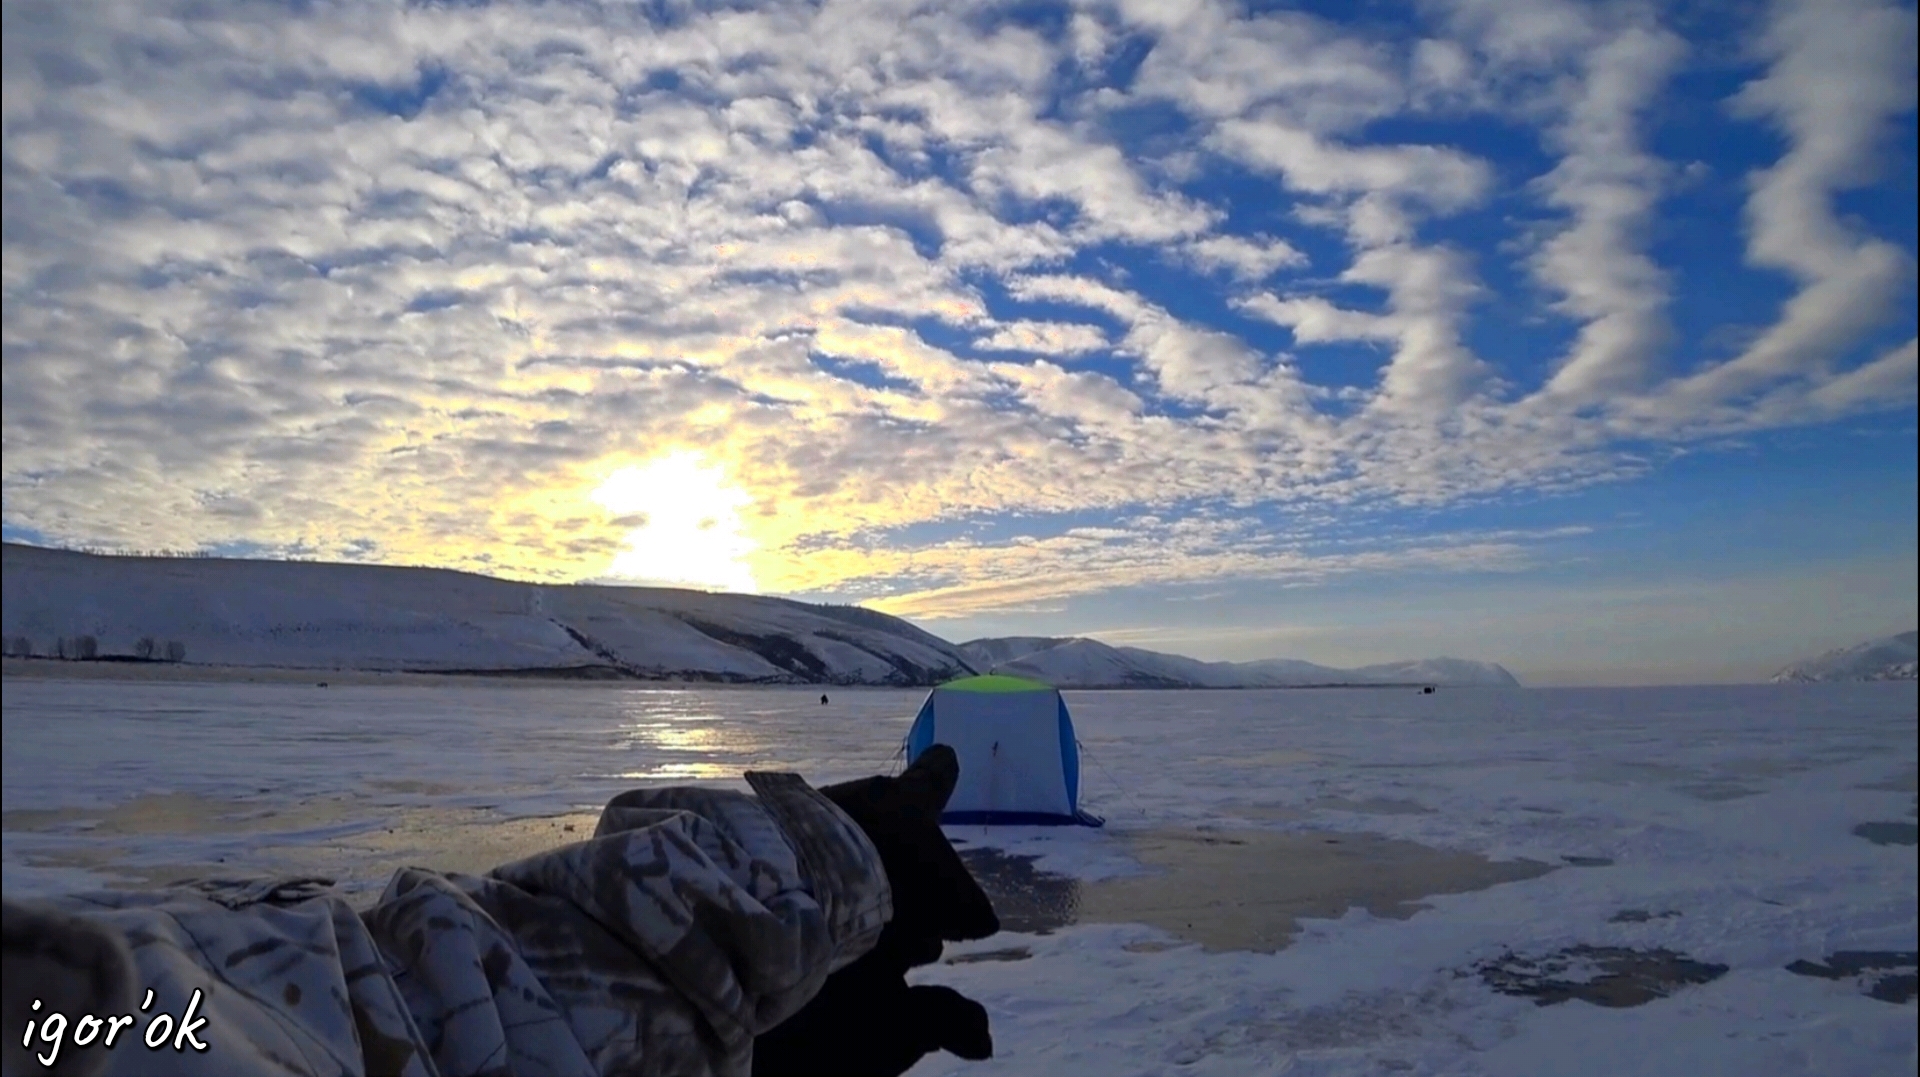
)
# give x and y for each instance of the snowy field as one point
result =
(1716, 825)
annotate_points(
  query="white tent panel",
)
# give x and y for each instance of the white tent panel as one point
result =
(1009, 749)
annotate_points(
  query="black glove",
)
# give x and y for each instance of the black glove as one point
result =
(866, 1021)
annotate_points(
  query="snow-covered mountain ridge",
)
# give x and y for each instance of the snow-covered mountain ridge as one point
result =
(1087, 663)
(309, 615)
(1890, 658)
(312, 615)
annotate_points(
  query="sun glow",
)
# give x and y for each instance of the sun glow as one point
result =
(687, 529)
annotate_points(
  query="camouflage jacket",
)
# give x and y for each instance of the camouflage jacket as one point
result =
(693, 920)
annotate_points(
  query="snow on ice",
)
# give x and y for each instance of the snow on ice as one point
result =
(1670, 852)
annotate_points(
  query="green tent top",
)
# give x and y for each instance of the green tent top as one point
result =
(995, 682)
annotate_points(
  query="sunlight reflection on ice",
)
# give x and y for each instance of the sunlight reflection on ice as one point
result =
(681, 771)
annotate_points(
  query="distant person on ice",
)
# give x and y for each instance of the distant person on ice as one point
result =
(699, 932)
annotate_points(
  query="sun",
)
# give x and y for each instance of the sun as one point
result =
(687, 529)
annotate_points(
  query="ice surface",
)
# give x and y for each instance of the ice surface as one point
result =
(1726, 814)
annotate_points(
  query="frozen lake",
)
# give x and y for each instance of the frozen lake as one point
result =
(1711, 835)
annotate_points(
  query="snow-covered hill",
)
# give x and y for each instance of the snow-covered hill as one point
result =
(1086, 663)
(335, 616)
(1461, 671)
(1891, 658)
(309, 615)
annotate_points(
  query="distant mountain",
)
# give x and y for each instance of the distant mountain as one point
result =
(311, 615)
(1086, 663)
(307, 615)
(1892, 658)
(1460, 671)
(992, 652)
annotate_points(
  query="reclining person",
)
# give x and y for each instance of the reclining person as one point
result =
(692, 923)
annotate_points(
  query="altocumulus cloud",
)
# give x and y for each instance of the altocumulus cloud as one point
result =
(416, 282)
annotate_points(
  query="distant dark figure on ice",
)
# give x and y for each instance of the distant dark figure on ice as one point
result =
(823, 699)
(1427, 691)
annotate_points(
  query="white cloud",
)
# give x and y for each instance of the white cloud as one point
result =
(1838, 75)
(1251, 259)
(1888, 379)
(1044, 338)
(1218, 65)
(1316, 321)
(244, 300)
(1084, 397)
(963, 578)
(1435, 176)
(1610, 186)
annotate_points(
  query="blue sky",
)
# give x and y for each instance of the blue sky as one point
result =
(1574, 336)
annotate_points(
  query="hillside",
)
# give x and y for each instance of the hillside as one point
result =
(310, 615)
(338, 616)
(1086, 663)
(1890, 658)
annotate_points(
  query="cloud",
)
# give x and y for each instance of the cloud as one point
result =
(1316, 321)
(1610, 186)
(1835, 82)
(1434, 176)
(1044, 338)
(1218, 65)
(419, 280)
(1249, 259)
(961, 579)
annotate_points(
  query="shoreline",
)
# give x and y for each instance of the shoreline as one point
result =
(127, 669)
(56, 669)
(116, 668)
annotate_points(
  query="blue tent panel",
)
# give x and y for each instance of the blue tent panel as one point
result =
(1019, 761)
(1069, 756)
(920, 737)
(1019, 818)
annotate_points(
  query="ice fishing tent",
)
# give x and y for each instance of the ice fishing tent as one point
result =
(1019, 764)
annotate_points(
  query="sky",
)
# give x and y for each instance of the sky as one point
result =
(1574, 336)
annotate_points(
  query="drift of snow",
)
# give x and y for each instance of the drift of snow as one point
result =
(1891, 658)
(1087, 663)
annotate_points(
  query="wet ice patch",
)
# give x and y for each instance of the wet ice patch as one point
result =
(1239, 889)
(1027, 899)
(162, 841)
(1612, 976)
(1370, 805)
(1888, 975)
(1640, 916)
(1888, 833)
(1907, 781)
(1004, 953)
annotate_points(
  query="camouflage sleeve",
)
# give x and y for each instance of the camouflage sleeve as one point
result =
(692, 921)
(218, 977)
